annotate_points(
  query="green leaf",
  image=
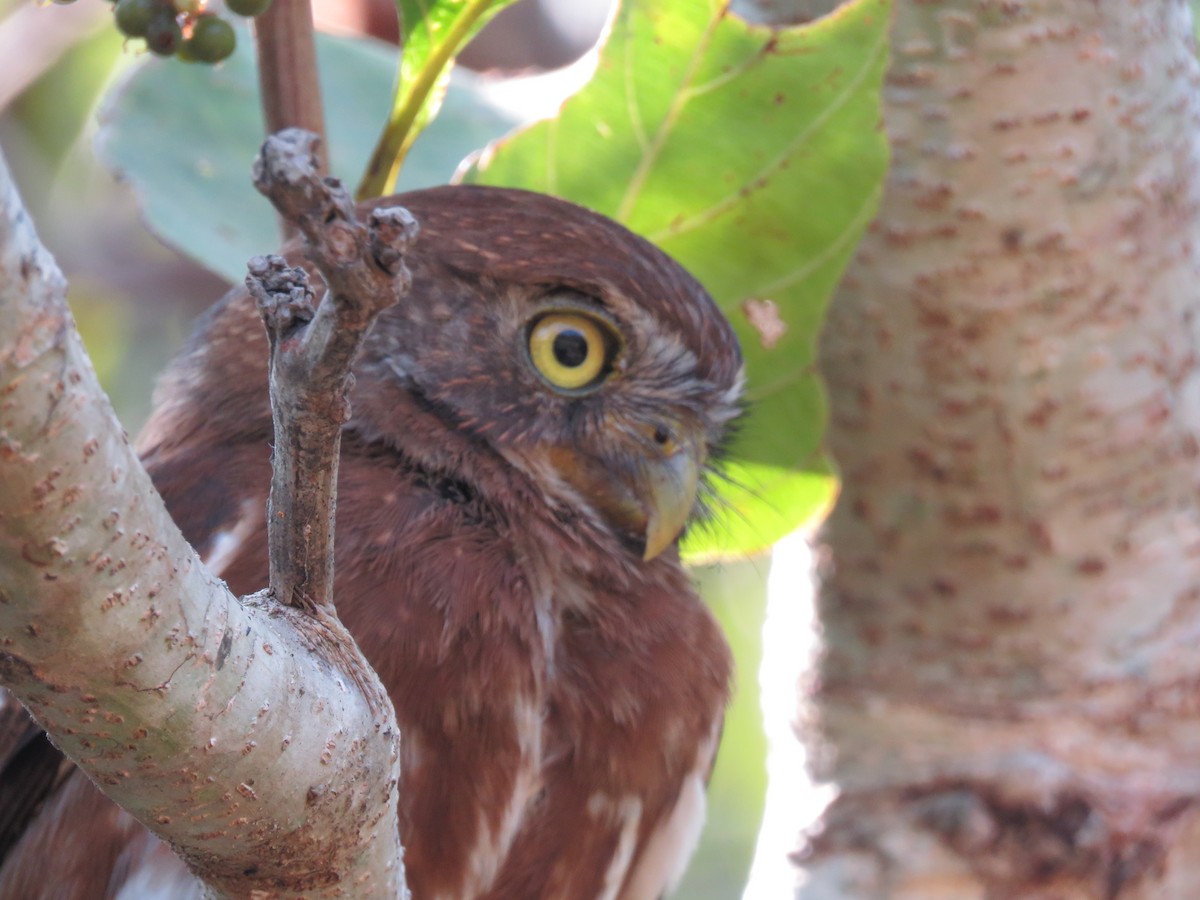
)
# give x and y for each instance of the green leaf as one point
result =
(736, 592)
(185, 136)
(756, 158)
(432, 32)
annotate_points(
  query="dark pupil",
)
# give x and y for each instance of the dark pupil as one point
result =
(570, 348)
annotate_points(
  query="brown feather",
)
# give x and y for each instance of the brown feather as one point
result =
(33, 769)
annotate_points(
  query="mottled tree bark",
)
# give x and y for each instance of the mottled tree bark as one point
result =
(1008, 700)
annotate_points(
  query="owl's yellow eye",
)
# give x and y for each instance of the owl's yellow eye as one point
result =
(570, 350)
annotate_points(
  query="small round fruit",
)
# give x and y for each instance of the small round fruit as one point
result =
(134, 16)
(190, 8)
(248, 7)
(163, 35)
(212, 40)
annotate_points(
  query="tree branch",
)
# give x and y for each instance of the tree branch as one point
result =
(287, 73)
(205, 718)
(311, 352)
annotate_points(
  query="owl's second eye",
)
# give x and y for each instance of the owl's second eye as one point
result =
(570, 350)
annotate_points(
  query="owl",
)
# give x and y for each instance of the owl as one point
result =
(532, 429)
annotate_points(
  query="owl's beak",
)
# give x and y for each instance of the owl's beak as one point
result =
(668, 497)
(647, 491)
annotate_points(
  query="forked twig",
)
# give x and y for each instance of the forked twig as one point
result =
(312, 349)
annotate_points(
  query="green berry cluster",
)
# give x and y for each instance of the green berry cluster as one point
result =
(183, 28)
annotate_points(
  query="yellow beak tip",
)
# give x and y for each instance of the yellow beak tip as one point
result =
(657, 540)
(670, 493)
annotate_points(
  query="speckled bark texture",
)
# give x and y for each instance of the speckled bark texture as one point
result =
(251, 737)
(1008, 699)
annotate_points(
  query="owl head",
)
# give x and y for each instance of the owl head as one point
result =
(545, 336)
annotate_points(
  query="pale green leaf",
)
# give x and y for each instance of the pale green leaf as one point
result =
(184, 136)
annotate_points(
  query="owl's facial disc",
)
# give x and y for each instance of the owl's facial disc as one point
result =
(644, 481)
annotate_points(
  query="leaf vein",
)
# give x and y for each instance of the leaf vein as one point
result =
(667, 125)
(631, 103)
(850, 233)
(762, 177)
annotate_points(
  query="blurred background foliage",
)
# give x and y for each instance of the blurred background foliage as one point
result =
(135, 298)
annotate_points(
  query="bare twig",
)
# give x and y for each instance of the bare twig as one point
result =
(312, 350)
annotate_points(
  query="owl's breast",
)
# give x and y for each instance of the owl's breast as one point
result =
(636, 683)
(558, 707)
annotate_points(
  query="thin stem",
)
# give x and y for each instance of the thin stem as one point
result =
(399, 134)
(287, 74)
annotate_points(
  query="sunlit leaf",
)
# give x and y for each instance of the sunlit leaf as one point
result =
(756, 158)
(432, 32)
(184, 136)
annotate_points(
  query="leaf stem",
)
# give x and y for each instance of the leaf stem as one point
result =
(399, 134)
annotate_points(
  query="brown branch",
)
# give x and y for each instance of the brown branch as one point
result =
(287, 73)
(312, 350)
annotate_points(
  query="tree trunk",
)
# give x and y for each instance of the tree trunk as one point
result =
(1007, 698)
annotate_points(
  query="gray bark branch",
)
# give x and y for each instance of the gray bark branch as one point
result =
(246, 734)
